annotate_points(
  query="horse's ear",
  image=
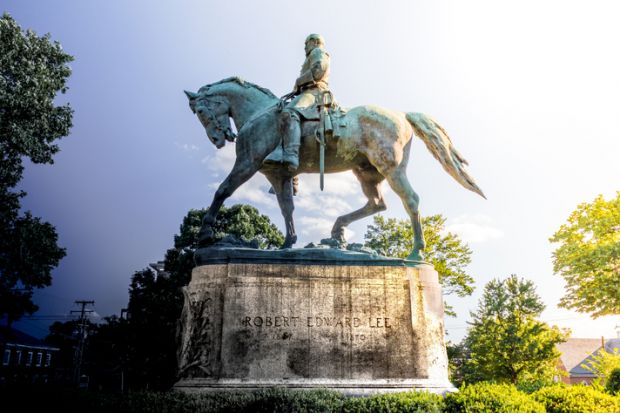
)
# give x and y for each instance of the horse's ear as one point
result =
(191, 95)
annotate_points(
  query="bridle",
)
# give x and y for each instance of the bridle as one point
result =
(209, 112)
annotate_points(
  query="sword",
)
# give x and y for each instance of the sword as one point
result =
(324, 127)
(321, 133)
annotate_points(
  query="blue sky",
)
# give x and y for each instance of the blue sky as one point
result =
(528, 92)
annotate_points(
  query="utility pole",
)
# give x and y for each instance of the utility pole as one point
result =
(82, 333)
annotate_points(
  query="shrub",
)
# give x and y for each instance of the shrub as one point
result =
(491, 398)
(613, 382)
(291, 401)
(411, 402)
(272, 400)
(576, 399)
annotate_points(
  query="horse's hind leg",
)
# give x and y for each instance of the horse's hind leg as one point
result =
(398, 181)
(284, 192)
(370, 179)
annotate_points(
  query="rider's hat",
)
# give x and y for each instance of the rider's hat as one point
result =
(315, 36)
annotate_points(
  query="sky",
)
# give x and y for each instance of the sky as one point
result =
(527, 90)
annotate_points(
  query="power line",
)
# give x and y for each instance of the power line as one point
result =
(49, 317)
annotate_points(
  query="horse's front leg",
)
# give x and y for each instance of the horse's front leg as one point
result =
(242, 171)
(283, 185)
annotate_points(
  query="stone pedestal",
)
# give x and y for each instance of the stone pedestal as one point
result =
(325, 319)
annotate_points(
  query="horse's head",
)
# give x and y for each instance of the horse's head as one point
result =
(214, 113)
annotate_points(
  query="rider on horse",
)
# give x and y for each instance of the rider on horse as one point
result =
(308, 91)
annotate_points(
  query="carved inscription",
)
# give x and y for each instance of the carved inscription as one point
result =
(337, 322)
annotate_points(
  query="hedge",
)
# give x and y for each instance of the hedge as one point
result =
(476, 398)
(576, 399)
(491, 398)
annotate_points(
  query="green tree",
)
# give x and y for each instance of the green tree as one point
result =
(108, 352)
(506, 343)
(457, 354)
(602, 363)
(33, 70)
(105, 356)
(588, 257)
(446, 251)
(613, 382)
(63, 335)
(155, 302)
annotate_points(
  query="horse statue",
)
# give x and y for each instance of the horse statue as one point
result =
(374, 144)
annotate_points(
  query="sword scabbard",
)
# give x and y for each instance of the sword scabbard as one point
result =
(322, 146)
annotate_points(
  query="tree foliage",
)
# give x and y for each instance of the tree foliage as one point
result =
(243, 221)
(588, 257)
(33, 70)
(561, 398)
(446, 251)
(506, 343)
(602, 363)
(613, 382)
(63, 335)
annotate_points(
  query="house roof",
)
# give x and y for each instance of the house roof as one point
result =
(613, 345)
(13, 337)
(579, 351)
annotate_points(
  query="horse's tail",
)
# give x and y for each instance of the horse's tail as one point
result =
(439, 144)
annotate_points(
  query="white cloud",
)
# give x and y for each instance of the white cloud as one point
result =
(343, 184)
(474, 228)
(342, 194)
(315, 225)
(187, 147)
(328, 205)
(222, 160)
(255, 191)
(317, 228)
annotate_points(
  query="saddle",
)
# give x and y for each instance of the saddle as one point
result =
(334, 125)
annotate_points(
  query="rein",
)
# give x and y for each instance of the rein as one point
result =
(217, 125)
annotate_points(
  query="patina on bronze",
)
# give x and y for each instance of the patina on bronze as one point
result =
(373, 142)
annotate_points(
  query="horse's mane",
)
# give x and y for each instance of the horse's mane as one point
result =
(240, 82)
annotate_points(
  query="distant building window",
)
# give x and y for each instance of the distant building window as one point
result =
(48, 359)
(39, 359)
(18, 358)
(29, 359)
(7, 357)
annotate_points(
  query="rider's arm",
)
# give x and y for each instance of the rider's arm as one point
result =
(318, 68)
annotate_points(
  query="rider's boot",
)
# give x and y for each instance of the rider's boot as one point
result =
(290, 129)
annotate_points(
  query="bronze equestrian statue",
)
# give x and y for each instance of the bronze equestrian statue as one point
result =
(279, 139)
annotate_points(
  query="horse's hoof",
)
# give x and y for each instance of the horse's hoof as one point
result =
(289, 242)
(206, 236)
(415, 255)
(338, 235)
(334, 243)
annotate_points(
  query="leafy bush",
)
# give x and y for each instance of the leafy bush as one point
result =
(613, 382)
(602, 363)
(491, 398)
(477, 398)
(413, 402)
(576, 399)
(272, 400)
